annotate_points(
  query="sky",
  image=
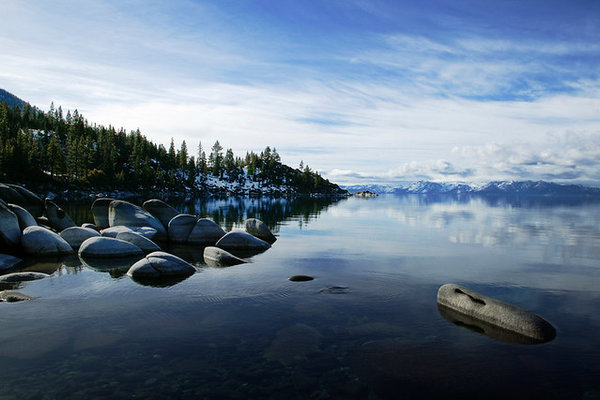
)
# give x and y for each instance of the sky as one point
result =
(364, 92)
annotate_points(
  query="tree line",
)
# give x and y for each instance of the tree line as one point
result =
(59, 150)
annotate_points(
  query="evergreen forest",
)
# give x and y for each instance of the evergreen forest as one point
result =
(54, 150)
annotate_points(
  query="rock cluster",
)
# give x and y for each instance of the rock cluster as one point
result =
(121, 230)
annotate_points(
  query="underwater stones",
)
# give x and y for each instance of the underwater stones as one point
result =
(293, 344)
(139, 240)
(160, 264)
(243, 241)
(494, 312)
(76, 235)
(121, 212)
(300, 278)
(7, 262)
(160, 210)
(107, 247)
(257, 228)
(217, 257)
(24, 217)
(40, 241)
(22, 276)
(180, 227)
(11, 296)
(10, 232)
(205, 232)
(100, 212)
(57, 217)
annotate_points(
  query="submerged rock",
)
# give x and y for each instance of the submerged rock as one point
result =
(257, 228)
(11, 296)
(106, 247)
(57, 217)
(495, 312)
(217, 257)
(160, 210)
(100, 212)
(10, 232)
(121, 212)
(40, 241)
(76, 235)
(23, 276)
(160, 265)
(293, 344)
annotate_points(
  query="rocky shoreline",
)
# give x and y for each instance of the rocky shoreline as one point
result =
(122, 235)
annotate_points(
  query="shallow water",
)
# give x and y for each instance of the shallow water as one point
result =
(367, 326)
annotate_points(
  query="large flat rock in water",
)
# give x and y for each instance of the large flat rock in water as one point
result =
(494, 312)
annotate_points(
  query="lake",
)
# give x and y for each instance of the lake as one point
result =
(366, 327)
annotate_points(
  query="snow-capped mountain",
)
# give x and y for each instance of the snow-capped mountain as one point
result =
(538, 188)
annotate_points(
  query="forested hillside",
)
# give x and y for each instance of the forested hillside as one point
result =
(57, 150)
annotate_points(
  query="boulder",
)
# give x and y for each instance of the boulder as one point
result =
(160, 265)
(121, 212)
(90, 226)
(113, 231)
(160, 210)
(10, 296)
(494, 312)
(30, 201)
(76, 235)
(242, 241)
(7, 262)
(205, 232)
(10, 232)
(10, 195)
(22, 276)
(40, 241)
(24, 217)
(107, 247)
(257, 228)
(180, 227)
(139, 240)
(100, 212)
(217, 257)
(57, 217)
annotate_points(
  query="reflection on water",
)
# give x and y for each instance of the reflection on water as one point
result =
(366, 326)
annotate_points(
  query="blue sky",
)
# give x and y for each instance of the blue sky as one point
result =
(362, 91)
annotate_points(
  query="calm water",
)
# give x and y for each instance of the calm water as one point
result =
(366, 327)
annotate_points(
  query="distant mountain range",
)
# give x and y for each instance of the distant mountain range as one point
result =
(525, 188)
(10, 99)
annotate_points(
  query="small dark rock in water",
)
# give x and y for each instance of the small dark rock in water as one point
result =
(11, 296)
(300, 278)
